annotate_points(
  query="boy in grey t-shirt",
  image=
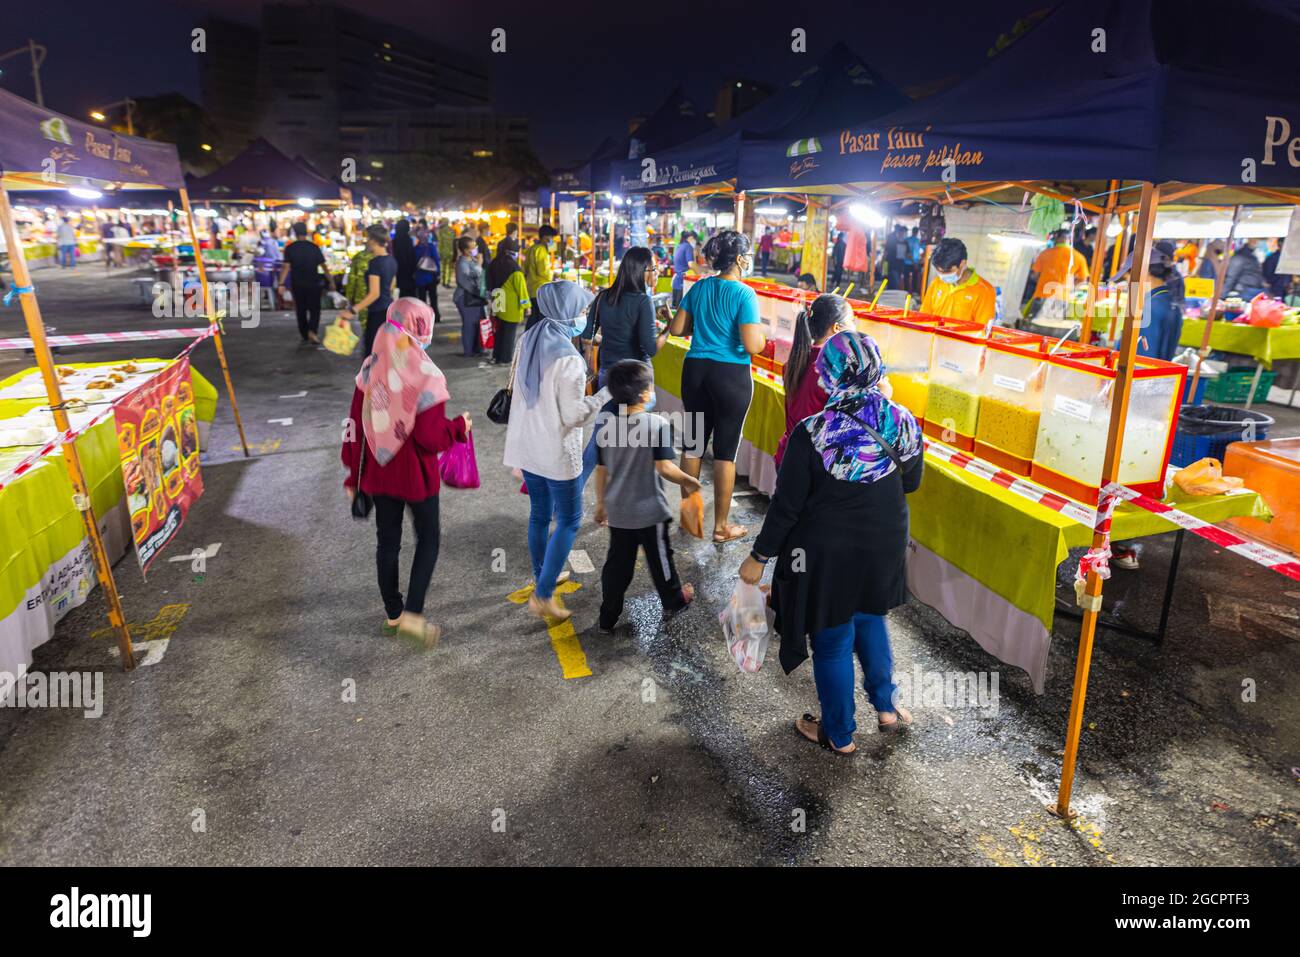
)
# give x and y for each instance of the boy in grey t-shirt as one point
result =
(635, 454)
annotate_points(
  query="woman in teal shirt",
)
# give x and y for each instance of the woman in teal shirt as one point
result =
(720, 314)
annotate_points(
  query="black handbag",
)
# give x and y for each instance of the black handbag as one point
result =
(361, 502)
(498, 409)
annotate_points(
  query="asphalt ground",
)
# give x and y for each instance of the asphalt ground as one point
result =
(279, 727)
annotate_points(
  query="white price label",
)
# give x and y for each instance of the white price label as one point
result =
(1009, 383)
(951, 366)
(1073, 408)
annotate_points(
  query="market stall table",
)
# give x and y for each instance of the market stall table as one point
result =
(963, 529)
(45, 561)
(1264, 344)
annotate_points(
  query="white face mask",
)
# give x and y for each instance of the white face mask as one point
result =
(747, 269)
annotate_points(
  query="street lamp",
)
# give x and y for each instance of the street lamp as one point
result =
(37, 53)
(100, 115)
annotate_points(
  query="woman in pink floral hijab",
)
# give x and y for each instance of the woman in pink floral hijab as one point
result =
(399, 404)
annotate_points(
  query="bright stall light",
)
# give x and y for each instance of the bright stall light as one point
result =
(771, 210)
(96, 115)
(206, 147)
(866, 215)
(1016, 239)
(306, 202)
(351, 214)
(83, 193)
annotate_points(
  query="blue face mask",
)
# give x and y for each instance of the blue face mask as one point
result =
(650, 404)
(578, 326)
(950, 278)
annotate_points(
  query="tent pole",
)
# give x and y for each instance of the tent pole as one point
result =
(1098, 257)
(1116, 258)
(1109, 473)
(212, 319)
(80, 490)
(1220, 271)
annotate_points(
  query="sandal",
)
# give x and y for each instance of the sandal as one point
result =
(729, 534)
(427, 633)
(821, 737)
(548, 609)
(902, 722)
(688, 596)
(387, 630)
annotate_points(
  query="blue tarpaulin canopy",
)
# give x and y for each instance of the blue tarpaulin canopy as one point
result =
(840, 86)
(1139, 90)
(675, 121)
(41, 149)
(262, 173)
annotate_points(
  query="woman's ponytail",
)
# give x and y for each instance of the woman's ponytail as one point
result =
(812, 325)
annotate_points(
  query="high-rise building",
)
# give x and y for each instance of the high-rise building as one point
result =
(735, 96)
(328, 83)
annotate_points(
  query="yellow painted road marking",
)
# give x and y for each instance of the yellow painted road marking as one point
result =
(160, 626)
(564, 640)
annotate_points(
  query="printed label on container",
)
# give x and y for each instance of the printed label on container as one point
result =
(951, 366)
(1008, 383)
(1073, 408)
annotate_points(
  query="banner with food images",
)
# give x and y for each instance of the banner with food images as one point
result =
(158, 441)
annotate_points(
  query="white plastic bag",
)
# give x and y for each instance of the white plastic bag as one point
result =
(747, 626)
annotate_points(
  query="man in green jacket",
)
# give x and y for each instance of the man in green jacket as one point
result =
(447, 251)
(537, 262)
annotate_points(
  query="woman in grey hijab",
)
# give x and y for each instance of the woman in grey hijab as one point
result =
(544, 439)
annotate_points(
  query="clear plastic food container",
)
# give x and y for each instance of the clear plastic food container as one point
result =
(907, 362)
(952, 406)
(1078, 391)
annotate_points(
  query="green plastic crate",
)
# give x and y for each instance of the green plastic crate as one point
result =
(1235, 386)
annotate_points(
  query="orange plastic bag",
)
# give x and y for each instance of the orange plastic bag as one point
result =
(693, 514)
(1205, 477)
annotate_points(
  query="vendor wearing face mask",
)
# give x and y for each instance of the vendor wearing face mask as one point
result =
(957, 291)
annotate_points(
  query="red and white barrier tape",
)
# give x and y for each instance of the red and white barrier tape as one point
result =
(1111, 495)
(70, 435)
(1280, 562)
(99, 338)
(1013, 483)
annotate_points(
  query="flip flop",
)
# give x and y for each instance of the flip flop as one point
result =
(895, 726)
(428, 635)
(822, 740)
(387, 630)
(732, 533)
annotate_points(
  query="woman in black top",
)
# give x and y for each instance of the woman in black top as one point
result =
(624, 313)
(404, 254)
(838, 528)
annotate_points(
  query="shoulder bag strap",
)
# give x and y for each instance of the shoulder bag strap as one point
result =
(889, 449)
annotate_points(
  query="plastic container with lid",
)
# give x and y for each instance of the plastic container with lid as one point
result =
(1011, 396)
(907, 362)
(1078, 392)
(1273, 470)
(952, 406)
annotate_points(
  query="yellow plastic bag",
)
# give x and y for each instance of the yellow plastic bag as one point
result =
(340, 339)
(1205, 477)
(693, 514)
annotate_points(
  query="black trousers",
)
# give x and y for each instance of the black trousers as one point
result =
(374, 319)
(388, 528)
(503, 346)
(306, 302)
(620, 566)
(429, 293)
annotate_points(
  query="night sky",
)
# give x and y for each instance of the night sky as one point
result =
(577, 70)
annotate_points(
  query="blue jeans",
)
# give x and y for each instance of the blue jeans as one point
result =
(832, 654)
(560, 499)
(68, 256)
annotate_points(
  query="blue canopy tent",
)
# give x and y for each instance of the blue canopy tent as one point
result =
(262, 174)
(1189, 99)
(674, 121)
(1141, 90)
(839, 86)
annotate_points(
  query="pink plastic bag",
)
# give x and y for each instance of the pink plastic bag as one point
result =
(458, 467)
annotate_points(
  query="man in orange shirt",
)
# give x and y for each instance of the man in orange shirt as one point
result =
(1055, 267)
(957, 292)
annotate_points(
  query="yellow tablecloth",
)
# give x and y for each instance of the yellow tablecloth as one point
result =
(1013, 546)
(38, 524)
(765, 423)
(1261, 344)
